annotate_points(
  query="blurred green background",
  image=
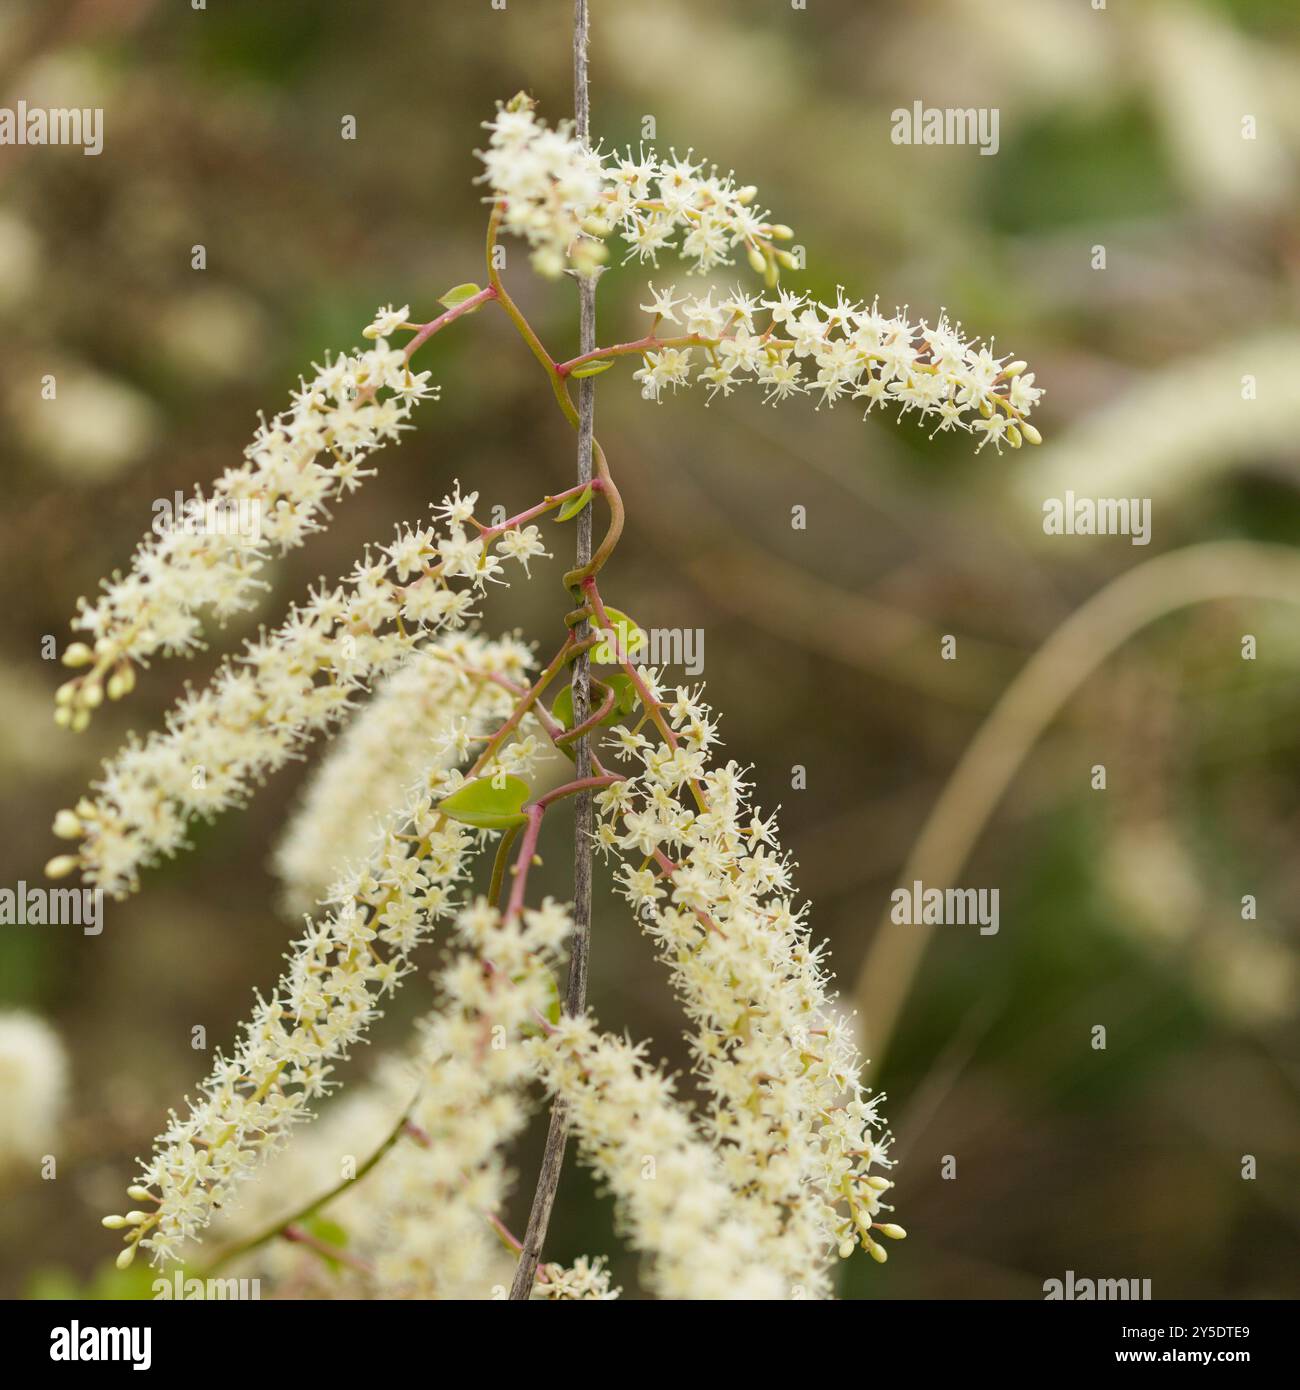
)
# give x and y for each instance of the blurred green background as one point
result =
(1120, 128)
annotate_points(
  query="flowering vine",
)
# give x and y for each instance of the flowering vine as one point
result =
(752, 1187)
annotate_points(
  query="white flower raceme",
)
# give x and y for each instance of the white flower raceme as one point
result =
(443, 1184)
(788, 1114)
(564, 199)
(670, 1189)
(421, 719)
(584, 1280)
(211, 558)
(338, 970)
(262, 707)
(33, 1088)
(842, 351)
(334, 1148)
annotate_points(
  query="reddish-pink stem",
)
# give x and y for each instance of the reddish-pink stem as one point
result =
(647, 344)
(528, 845)
(466, 306)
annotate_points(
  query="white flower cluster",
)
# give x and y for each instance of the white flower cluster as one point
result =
(789, 1117)
(669, 1187)
(585, 1280)
(33, 1089)
(347, 1132)
(288, 685)
(325, 1002)
(565, 199)
(443, 1186)
(295, 466)
(842, 351)
(418, 722)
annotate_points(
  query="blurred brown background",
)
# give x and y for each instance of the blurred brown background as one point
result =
(1119, 128)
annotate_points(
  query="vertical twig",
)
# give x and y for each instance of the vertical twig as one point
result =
(548, 1179)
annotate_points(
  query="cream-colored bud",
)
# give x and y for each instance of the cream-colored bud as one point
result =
(65, 693)
(782, 232)
(92, 695)
(847, 1248)
(114, 1223)
(67, 826)
(747, 194)
(63, 716)
(757, 260)
(118, 685)
(80, 721)
(139, 1194)
(1013, 437)
(877, 1253)
(125, 1258)
(78, 654)
(136, 1218)
(61, 865)
(892, 1231)
(879, 1183)
(1013, 369)
(1030, 432)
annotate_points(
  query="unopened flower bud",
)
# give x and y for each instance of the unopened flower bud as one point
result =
(67, 826)
(61, 865)
(78, 654)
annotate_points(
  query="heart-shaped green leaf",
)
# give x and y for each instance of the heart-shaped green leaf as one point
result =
(630, 638)
(488, 803)
(458, 294)
(625, 699)
(574, 505)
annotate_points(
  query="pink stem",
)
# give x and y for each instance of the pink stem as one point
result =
(436, 325)
(646, 344)
(528, 845)
(647, 699)
(298, 1236)
(491, 532)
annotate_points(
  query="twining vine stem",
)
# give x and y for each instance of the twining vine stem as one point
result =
(592, 473)
(548, 1178)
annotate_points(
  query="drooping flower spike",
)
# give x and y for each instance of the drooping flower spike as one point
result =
(749, 1189)
(211, 557)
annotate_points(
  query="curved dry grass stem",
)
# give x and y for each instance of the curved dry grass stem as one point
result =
(1199, 574)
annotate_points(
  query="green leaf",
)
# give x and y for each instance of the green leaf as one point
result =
(562, 707)
(574, 505)
(488, 803)
(331, 1233)
(593, 369)
(625, 699)
(458, 294)
(630, 637)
